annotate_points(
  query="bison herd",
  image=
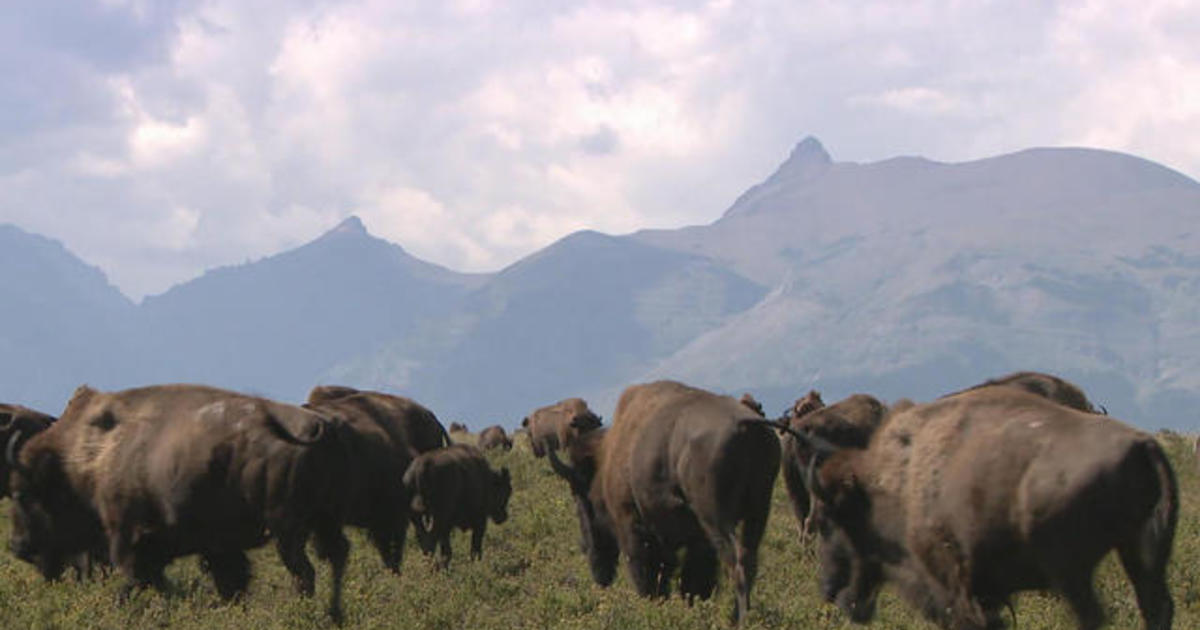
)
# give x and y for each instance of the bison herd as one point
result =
(1017, 484)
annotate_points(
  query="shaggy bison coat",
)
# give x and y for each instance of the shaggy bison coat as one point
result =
(1047, 386)
(159, 472)
(848, 423)
(967, 500)
(679, 469)
(557, 426)
(455, 487)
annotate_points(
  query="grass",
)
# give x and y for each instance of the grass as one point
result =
(533, 576)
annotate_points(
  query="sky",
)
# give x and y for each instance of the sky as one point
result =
(159, 138)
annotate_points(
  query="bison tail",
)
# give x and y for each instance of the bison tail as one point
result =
(1158, 534)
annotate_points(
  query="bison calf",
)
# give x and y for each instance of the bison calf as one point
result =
(455, 487)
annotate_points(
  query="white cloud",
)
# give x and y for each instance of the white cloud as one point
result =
(474, 132)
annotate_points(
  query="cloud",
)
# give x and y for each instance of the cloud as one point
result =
(158, 139)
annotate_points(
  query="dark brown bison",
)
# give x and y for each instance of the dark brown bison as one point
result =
(967, 500)
(458, 427)
(1048, 386)
(454, 487)
(848, 423)
(17, 425)
(159, 472)
(494, 437)
(752, 404)
(680, 468)
(408, 421)
(558, 425)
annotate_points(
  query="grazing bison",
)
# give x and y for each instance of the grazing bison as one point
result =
(159, 472)
(494, 437)
(1045, 385)
(455, 487)
(558, 425)
(680, 468)
(967, 500)
(848, 423)
(407, 420)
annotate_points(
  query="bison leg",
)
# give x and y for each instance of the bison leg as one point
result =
(699, 575)
(230, 572)
(442, 535)
(477, 540)
(142, 566)
(334, 548)
(1082, 598)
(645, 564)
(1149, 578)
(290, 546)
(425, 539)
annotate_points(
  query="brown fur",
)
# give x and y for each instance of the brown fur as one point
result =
(407, 421)
(967, 500)
(677, 470)
(458, 427)
(848, 423)
(166, 471)
(494, 437)
(1047, 386)
(557, 426)
(18, 424)
(752, 404)
(455, 487)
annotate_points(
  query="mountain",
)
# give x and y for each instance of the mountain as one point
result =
(62, 324)
(275, 326)
(903, 278)
(909, 277)
(587, 312)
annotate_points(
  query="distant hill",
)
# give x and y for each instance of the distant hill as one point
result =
(904, 277)
(274, 326)
(62, 323)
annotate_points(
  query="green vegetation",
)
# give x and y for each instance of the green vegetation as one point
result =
(533, 576)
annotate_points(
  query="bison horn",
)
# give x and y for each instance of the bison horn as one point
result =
(10, 451)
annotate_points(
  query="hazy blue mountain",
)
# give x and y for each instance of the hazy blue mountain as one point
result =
(275, 325)
(579, 316)
(904, 277)
(62, 324)
(909, 277)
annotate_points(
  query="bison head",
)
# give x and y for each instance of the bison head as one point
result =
(50, 522)
(501, 491)
(596, 537)
(851, 568)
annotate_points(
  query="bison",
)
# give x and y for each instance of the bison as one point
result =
(159, 472)
(408, 421)
(17, 425)
(1048, 386)
(558, 425)
(848, 423)
(494, 437)
(458, 427)
(454, 487)
(680, 468)
(967, 500)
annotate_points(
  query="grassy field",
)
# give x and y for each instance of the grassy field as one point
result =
(533, 576)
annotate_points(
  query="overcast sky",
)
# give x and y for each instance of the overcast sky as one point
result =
(157, 139)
